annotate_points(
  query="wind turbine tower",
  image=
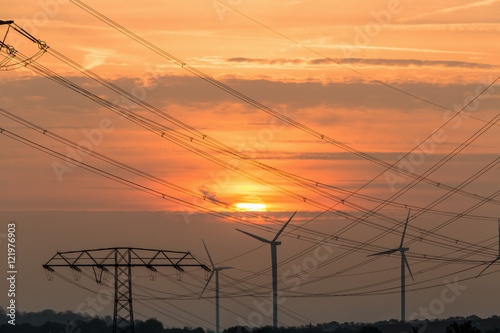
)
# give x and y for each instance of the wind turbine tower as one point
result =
(216, 271)
(404, 262)
(274, 243)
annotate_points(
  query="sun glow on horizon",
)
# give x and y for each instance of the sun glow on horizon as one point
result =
(251, 207)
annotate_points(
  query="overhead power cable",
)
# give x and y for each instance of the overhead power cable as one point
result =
(341, 64)
(155, 127)
(265, 108)
(162, 134)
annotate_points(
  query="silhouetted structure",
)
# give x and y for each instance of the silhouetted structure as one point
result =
(273, 244)
(122, 260)
(216, 271)
(404, 262)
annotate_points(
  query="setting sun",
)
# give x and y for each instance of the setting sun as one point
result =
(251, 207)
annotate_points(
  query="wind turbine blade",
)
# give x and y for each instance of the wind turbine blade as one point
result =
(254, 236)
(208, 281)
(283, 228)
(404, 231)
(382, 253)
(491, 263)
(210, 258)
(407, 265)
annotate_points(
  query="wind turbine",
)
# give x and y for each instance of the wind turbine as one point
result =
(274, 243)
(216, 271)
(498, 257)
(404, 262)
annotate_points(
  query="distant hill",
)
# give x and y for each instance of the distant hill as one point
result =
(49, 321)
(48, 316)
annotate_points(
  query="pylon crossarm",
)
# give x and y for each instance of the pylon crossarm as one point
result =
(92, 258)
(179, 269)
(164, 257)
(151, 268)
(154, 257)
(75, 268)
(47, 267)
(64, 258)
(107, 257)
(101, 260)
(81, 255)
(181, 259)
(138, 257)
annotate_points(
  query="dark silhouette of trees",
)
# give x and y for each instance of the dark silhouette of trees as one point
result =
(149, 326)
(49, 321)
(369, 329)
(465, 327)
(95, 325)
(236, 329)
(495, 330)
(45, 316)
(27, 328)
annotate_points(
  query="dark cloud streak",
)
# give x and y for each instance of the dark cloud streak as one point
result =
(373, 62)
(345, 156)
(193, 92)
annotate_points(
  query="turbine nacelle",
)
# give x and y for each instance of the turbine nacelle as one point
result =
(274, 240)
(221, 268)
(214, 270)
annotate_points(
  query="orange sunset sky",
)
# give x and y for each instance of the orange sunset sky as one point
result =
(377, 77)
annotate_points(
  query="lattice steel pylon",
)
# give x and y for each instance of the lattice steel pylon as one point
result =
(122, 259)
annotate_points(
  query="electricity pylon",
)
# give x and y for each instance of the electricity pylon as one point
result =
(122, 259)
(274, 263)
(404, 262)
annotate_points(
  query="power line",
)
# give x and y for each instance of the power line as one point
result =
(255, 103)
(163, 133)
(219, 84)
(155, 127)
(46, 133)
(339, 63)
(38, 146)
